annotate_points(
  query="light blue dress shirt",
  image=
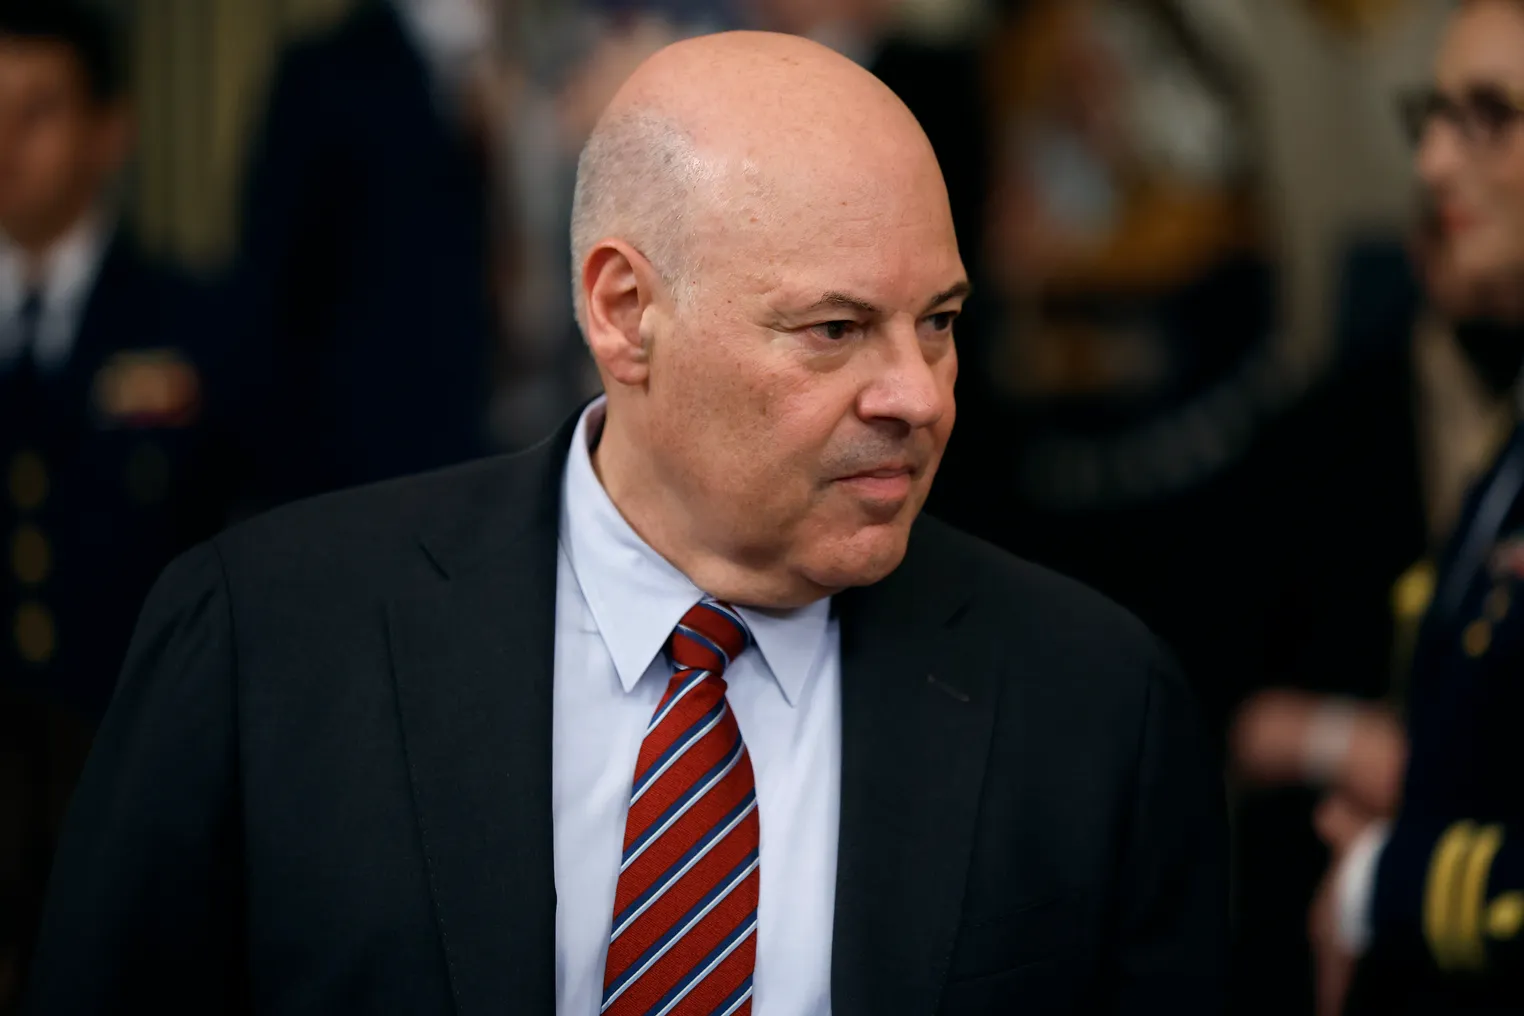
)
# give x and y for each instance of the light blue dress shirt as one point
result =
(617, 601)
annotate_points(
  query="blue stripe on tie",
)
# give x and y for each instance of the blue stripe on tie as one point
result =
(740, 873)
(705, 640)
(706, 966)
(738, 996)
(731, 616)
(694, 681)
(680, 867)
(682, 804)
(687, 739)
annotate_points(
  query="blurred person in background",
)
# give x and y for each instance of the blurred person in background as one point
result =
(370, 254)
(1465, 352)
(1423, 908)
(1154, 433)
(103, 458)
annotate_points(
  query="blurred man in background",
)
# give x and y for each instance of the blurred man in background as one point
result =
(99, 440)
(367, 273)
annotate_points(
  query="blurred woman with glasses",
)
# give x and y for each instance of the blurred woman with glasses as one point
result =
(1424, 912)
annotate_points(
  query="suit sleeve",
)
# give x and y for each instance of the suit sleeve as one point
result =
(1172, 925)
(144, 900)
(1451, 894)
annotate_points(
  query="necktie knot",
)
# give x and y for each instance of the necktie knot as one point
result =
(709, 637)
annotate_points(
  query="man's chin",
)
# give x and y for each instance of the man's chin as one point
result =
(866, 557)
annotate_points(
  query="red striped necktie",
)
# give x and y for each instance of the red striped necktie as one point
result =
(684, 939)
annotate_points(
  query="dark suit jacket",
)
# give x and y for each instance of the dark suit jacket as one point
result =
(325, 783)
(362, 287)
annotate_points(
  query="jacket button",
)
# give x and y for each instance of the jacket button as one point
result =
(28, 481)
(31, 556)
(35, 633)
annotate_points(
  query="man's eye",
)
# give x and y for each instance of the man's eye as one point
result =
(836, 330)
(943, 321)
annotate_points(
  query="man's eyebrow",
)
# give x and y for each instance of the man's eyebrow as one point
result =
(836, 300)
(957, 292)
(842, 301)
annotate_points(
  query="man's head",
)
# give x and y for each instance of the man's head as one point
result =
(1470, 135)
(767, 275)
(64, 126)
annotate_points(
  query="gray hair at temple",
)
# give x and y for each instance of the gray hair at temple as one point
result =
(636, 179)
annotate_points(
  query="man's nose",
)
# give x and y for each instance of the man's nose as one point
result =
(1441, 156)
(907, 386)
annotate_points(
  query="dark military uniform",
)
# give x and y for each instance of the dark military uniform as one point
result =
(1448, 905)
(100, 489)
(100, 485)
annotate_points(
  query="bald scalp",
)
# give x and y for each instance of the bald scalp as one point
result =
(710, 123)
(636, 180)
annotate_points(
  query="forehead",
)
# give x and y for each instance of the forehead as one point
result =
(37, 64)
(877, 227)
(1485, 43)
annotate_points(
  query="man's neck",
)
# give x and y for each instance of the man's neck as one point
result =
(668, 528)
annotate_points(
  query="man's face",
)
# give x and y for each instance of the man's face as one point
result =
(1472, 161)
(801, 391)
(57, 145)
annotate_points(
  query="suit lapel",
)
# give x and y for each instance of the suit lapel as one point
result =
(917, 714)
(473, 660)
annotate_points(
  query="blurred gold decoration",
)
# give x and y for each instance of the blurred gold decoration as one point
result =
(1505, 916)
(1356, 17)
(1477, 639)
(148, 388)
(1413, 592)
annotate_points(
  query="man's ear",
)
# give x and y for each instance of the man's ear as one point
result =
(619, 287)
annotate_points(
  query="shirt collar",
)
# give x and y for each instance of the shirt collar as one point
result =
(68, 267)
(636, 596)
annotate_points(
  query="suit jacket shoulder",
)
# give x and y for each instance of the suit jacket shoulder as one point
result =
(381, 537)
(1045, 617)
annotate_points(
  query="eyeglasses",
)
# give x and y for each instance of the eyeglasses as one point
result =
(1482, 114)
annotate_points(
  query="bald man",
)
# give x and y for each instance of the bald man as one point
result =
(684, 711)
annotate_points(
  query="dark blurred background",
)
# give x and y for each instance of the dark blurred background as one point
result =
(252, 250)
